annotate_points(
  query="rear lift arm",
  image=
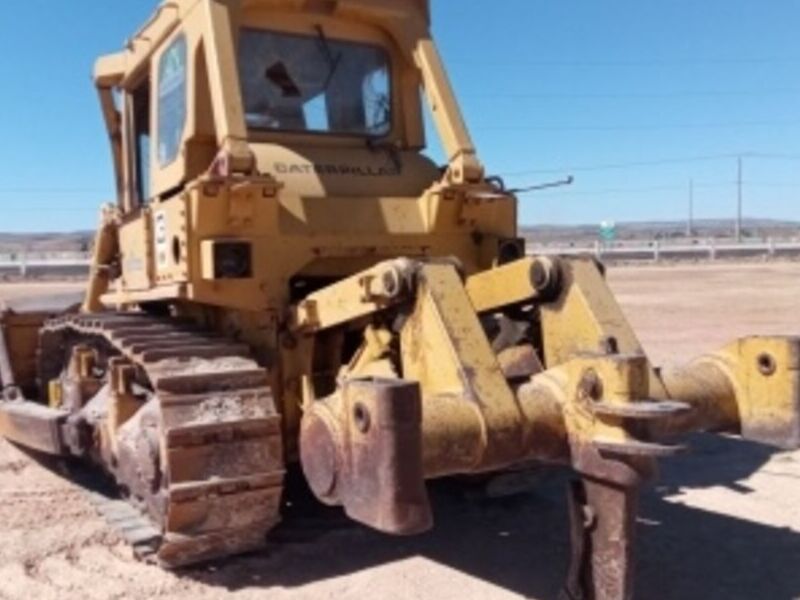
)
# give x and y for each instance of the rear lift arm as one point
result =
(599, 406)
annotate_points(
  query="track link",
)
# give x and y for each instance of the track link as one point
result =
(211, 426)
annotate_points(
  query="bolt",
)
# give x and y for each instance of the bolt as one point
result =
(546, 278)
(539, 276)
(591, 386)
(361, 418)
(766, 364)
(391, 283)
(11, 394)
(609, 345)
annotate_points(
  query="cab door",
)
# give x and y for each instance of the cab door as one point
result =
(136, 231)
(154, 234)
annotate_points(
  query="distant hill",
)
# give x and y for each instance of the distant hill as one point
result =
(80, 241)
(649, 230)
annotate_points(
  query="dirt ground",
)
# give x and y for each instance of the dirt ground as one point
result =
(722, 521)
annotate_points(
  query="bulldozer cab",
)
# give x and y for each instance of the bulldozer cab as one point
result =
(274, 87)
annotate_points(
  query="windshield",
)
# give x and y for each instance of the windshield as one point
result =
(308, 83)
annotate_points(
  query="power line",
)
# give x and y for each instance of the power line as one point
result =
(553, 170)
(637, 190)
(774, 156)
(64, 190)
(776, 185)
(633, 94)
(50, 210)
(739, 199)
(652, 62)
(657, 188)
(648, 163)
(649, 127)
(91, 205)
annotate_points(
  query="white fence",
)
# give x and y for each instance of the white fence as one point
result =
(656, 251)
(25, 264)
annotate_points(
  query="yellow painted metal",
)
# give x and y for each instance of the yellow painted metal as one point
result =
(473, 420)
(464, 164)
(444, 348)
(55, 394)
(593, 395)
(207, 268)
(503, 286)
(766, 378)
(123, 403)
(104, 266)
(374, 357)
(223, 79)
(355, 297)
(586, 318)
(614, 380)
(751, 388)
(293, 385)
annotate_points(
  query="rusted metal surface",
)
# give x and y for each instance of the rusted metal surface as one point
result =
(614, 452)
(647, 410)
(602, 526)
(20, 331)
(363, 450)
(7, 380)
(520, 362)
(603, 509)
(33, 426)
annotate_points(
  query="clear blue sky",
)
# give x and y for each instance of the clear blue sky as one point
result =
(548, 88)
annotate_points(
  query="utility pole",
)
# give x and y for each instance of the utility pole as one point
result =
(690, 223)
(739, 201)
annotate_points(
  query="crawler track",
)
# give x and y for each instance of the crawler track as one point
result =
(201, 461)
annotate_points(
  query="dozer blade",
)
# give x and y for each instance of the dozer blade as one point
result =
(33, 426)
(23, 422)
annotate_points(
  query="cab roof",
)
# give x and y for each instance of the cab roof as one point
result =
(111, 70)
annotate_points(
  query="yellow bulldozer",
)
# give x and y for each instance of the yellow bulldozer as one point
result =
(286, 278)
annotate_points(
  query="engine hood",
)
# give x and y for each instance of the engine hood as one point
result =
(315, 172)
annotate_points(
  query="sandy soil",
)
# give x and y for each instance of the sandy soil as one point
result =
(722, 522)
(680, 311)
(19, 290)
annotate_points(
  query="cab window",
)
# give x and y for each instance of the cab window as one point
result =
(140, 110)
(171, 101)
(309, 83)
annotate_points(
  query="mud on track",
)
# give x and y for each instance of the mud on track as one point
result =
(723, 521)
